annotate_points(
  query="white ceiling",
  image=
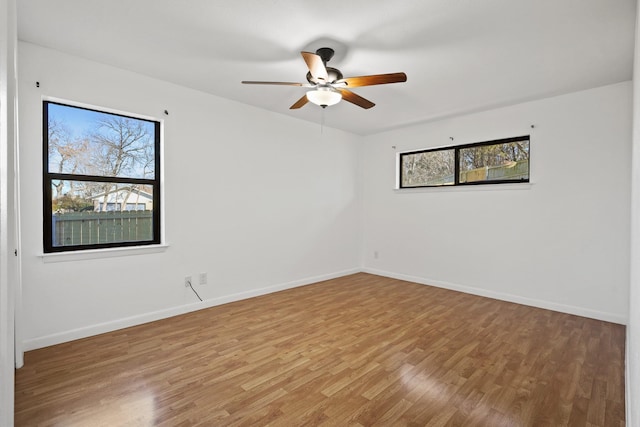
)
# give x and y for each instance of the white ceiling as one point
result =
(459, 55)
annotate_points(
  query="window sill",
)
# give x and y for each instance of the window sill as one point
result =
(477, 187)
(102, 253)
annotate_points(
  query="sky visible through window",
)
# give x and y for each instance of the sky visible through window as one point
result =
(88, 142)
(79, 121)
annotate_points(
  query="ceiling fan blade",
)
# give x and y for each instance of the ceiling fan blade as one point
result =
(376, 79)
(300, 102)
(353, 98)
(249, 82)
(316, 66)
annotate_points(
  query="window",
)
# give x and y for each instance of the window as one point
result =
(101, 179)
(491, 162)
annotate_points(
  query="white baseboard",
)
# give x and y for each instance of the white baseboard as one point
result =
(548, 305)
(101, 328)
(114, 325)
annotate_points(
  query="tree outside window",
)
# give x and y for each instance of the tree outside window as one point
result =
(101, 179)
(492, 162)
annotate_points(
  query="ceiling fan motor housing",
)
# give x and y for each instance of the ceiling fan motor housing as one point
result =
(333, 73)
(326, 53)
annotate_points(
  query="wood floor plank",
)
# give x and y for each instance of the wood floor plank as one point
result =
(360, 350)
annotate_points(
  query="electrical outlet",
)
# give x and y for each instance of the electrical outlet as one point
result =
(187, 281)
(203, 278)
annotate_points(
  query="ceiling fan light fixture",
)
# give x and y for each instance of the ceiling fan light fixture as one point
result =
(324, 97)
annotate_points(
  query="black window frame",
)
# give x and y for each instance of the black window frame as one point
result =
(456, 174)
(48, 177)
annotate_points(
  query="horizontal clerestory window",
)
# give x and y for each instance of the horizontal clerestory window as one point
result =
(491, 162)
(101, 179)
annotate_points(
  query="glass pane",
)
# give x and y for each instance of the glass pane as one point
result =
(498, 162)
(87, 142)
(428, 168)
(89, 213)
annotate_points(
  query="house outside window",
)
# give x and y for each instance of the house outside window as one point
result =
(101, 179)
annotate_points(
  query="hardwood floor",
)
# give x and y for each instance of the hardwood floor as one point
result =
(359, 350)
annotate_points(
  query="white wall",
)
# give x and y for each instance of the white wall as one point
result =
(8, 40)
(560, 243)
(633, 329)
(278, 203)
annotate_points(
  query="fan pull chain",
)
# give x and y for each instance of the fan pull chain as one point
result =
(322, 121)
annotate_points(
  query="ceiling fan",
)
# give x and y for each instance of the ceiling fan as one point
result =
(329, 86)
